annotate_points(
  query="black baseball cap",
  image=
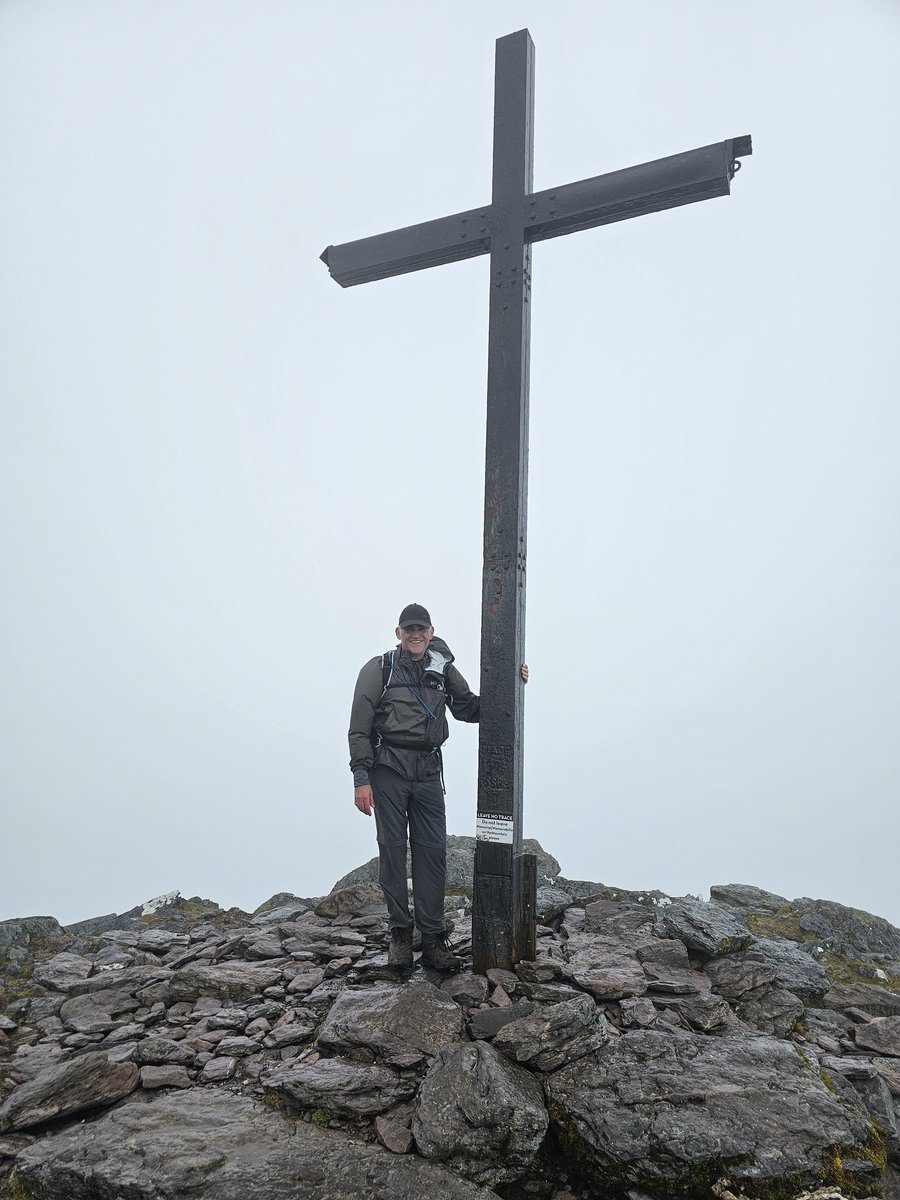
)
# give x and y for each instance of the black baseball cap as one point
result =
(414, 614)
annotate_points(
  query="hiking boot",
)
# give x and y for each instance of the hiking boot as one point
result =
(400, 949)
(437, 954)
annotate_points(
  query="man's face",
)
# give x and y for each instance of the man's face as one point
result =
(414, 639)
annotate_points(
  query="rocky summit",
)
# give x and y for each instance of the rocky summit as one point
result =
(744, 1046)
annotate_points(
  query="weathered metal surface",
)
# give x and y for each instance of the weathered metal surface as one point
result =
(505, 879)
(525, 935)
(500, 730)
(700, 174)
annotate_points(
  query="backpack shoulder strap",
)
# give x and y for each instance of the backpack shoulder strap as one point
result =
(387, 669)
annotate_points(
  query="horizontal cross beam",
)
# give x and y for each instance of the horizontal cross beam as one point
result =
(651, 187)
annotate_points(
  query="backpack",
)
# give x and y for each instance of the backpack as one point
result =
(435, 680)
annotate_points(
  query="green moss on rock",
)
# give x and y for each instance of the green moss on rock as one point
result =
(566, 1151)
(12, 1188)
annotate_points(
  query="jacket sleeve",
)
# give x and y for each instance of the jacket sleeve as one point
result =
(362, 715)
(463, 703)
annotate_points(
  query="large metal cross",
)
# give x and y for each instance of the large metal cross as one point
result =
(503, 917)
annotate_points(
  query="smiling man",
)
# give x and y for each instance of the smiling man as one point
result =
(398, 724)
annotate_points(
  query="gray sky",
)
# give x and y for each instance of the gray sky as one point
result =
(223, 475)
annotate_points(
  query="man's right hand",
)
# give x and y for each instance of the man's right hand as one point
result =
(363, 799)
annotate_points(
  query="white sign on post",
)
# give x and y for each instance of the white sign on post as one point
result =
(494, 827)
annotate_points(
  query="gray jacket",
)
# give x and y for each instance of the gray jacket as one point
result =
(404, 725)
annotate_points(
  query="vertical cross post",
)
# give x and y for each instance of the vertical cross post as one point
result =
(501, 930)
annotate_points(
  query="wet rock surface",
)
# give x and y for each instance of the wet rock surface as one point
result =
(224, 1146)
(480, 1113)
(651, 1047)
(66, 1089)
(672, 1103)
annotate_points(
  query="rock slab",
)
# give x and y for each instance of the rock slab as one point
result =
(206, 1143)
(670, 1108)
(72, 1087)
(481, 1114)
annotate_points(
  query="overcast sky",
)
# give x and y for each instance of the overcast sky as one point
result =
(223, 475)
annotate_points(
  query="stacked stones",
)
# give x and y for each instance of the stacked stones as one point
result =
(651, 1046)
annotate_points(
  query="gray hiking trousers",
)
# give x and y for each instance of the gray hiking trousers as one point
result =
(416, 806)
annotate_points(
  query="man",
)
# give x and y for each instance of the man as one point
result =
(398, 724)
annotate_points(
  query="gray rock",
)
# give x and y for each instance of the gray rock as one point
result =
(282, 900)
(551, 902)
(124, 1052)
(466, 989)
(159, 1051)
(95, 926)
(795, 969)
(638, 1013)
(704, 1012)
(584, 892)
(96, 1013)
(339, 1087)
(667, 1108)
(31, 1060)
(877, 1001)
(71, 1087)
(849, 931)
(890, 1073)
(542, 969)
(621, 922)
(321, 998)
(393, 1135)
(284, 912)
(603, 967)
(33, 932)
(332, 952)
(706, 928)
(481, 1114)
(231, 982)
(356, 901)
(124, 1033)
(208, 1142)
(306, 981)
(159, 941)
(228, 1018)
(237, 1047)
(776, 1011)
(674, 981)
(498, 975)
(548, 993)
(550, 1037)
(744, 895)
(294, 1034)
(881, 1034)
(403, 1022)
(217, 1070)
(62, 971)
(871, 1090)
(737, 974)
(162, 1076)
(13, 1144)
(128, 979)
(666, 952)
(828, 1022)
(487, 1022)
(267, 946)
(46, 1007)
